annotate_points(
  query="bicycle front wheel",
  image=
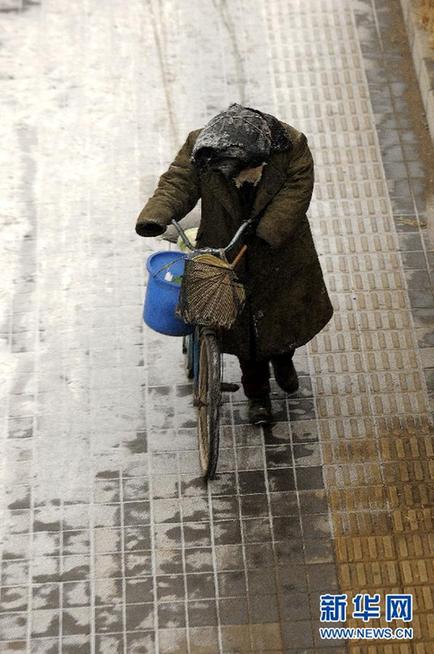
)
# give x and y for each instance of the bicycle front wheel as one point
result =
(208, 403)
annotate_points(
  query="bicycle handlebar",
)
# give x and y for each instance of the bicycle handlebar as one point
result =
(183, 235)
(241, 229)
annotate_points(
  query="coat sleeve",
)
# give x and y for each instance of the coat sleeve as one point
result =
(177, 192)
(290, 204)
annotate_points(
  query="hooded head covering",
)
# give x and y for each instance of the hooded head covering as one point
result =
(237, 138)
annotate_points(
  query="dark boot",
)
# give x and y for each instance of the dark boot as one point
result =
(255, 377)
(260, 410)
(285, 372)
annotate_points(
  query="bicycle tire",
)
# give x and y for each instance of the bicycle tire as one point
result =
(208, 403)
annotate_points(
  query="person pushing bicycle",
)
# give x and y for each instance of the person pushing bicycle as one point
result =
(244, 164)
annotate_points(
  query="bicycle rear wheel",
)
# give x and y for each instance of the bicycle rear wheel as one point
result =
(208, 402)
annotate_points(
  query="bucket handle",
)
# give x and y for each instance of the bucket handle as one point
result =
(166, 265)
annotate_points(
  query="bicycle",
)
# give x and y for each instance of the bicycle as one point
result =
(204, 366)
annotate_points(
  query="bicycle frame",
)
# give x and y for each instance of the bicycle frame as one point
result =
(204, 340)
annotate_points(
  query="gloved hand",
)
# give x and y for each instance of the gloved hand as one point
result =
(150, 228)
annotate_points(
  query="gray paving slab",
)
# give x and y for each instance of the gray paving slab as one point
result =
(110, 542)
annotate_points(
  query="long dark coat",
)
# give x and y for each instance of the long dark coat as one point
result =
(288, 301)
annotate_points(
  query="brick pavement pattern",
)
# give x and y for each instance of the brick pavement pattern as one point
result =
(109, 540)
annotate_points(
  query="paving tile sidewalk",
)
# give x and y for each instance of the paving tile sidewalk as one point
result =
(109, 540)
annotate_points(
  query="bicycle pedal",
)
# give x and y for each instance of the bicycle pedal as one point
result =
(227, 387)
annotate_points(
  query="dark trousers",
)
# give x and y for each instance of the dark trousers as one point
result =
(255, 375)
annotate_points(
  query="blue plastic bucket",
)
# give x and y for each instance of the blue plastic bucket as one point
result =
(162, 294)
